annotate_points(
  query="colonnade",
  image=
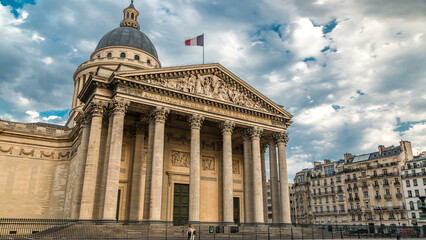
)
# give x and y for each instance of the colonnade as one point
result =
(83, 205)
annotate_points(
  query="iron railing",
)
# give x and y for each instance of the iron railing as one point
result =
(92, 229)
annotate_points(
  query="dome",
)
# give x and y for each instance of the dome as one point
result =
(129, 37)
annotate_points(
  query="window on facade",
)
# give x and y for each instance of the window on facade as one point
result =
(326, 200)
(387, 192)
(365, 194)
(407, 183)
(417, 193)
(364, 174)
(413, 215)
(342, 208)
(353, 217)
(354, 176)
(123, 55)
(385, 182)
(419, 205)
(415, 182)
(367, 205)
(424, 181)
(359, 217)
(329, 170)
(137, 57)
(398, 190)
(411, 205)
(340, 197)
(375, 173)
(325, 181)
(109, 55)
(410, 194)
(148, 61)
(128, 15)
(328, 209)
(385, 171)
(133, 15)
(377, 193)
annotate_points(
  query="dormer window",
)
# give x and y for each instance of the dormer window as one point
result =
(133, 15)
(148, 61)
(137, 57)
(123, 55)
(109, 55)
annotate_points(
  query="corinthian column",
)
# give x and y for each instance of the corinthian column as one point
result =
(264, 191)
(257, 176)
(118, 111)
(96, 109)
(160, 115)
(282, 139)
(227, 184)
(81, 158)
(194, 176)
(275, 198)
(147, 197)
(248, 204)
(136, 193)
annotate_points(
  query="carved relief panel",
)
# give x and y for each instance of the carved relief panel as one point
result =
(180, 159)
(208, 163)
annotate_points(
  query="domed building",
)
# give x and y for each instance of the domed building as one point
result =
(149, 143)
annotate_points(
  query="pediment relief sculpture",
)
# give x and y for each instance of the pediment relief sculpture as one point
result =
(210, 86)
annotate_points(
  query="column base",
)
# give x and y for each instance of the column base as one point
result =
(228, 223)
(194, 222)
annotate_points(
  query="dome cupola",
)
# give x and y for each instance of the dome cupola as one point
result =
(130, 17)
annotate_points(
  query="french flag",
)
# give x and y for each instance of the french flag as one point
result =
(197, 41)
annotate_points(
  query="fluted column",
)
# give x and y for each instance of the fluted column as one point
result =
(136, 202)
(227, 183)
(257, 176)
(160, 115)
(147, 197)
(96, 109)
(264, 190)
(275, 198)
(282, 139)
(81, 158)
(248, 183)
(118, 111)
(194, 176)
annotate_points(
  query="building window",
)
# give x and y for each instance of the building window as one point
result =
(415, 182)
(387, 192)
(407, 183)
(410, 194)
(137, 57)
(123, 55)
(133, 15)
(365, 194)
(128, 15)
(417, 193)
(424, 181)
(148, 61)
(364, 174)
(413, 215)
(419, 205)
(411, 205)
(109, 55)
(375, 173)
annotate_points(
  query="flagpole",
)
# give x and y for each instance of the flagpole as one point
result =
(203, 47)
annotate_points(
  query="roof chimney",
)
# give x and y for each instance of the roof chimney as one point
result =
(326, 161)
(347, 156)
(381, 149)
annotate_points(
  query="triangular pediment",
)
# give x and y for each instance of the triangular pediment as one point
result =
(212, 81)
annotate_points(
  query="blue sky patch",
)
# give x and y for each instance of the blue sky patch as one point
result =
(337, 107)
(405, 126)
(309, 59)
(16, 4)
(329, 26)
(59, 113)
(271, 27)
(360, 93)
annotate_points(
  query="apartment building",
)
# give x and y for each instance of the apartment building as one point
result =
(357, 190)
(413, 175)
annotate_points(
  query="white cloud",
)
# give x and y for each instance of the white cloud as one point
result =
(48, 60)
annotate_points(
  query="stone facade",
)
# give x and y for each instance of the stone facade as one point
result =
(136, 133)
(360, 190)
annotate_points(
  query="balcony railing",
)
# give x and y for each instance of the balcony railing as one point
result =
(397, 183)
(378, 197)
(399, 195)
(376, 186)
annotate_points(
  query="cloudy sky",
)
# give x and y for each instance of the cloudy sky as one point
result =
(352, 72)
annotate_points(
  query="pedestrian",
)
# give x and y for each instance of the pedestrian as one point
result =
(398, 237)
(191, 232)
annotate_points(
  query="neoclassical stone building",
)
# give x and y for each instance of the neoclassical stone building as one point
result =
(149, 143)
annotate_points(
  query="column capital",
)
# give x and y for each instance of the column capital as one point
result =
(263, 147)
(195, 121)
(85, 120)
(281, 137)
(227, 127)
(139, 128)
(96, 108)
(119, 105)
(160, 114)
(255, 132)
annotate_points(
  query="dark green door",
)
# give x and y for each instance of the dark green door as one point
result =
(236, 210)
(181, 203)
